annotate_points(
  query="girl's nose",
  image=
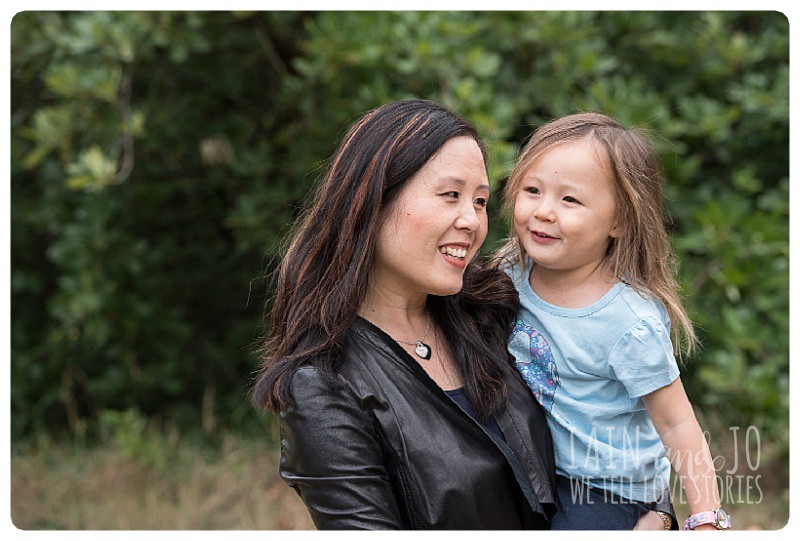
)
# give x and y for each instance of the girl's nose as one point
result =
(544, 212)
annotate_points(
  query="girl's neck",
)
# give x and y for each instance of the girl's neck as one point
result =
(574, 288)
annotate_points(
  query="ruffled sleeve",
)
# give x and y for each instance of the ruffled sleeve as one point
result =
(643, 359)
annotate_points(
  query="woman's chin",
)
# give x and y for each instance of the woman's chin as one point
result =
(447, 289)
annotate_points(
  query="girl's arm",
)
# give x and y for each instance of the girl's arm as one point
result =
(688, 451)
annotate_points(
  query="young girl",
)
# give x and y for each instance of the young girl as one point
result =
(590, 257)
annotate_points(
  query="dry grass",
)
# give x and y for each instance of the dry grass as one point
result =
(103, 489)
(234, 487)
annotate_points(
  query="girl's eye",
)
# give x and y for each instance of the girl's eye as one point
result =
(570, 199)
(532, 189)
(481, 202)
(454, 195)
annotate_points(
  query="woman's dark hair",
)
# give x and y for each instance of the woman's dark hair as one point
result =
(323, 275)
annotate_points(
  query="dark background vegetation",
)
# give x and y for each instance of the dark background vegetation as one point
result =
(158, 160)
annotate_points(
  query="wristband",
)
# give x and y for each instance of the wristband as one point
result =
(718, 518)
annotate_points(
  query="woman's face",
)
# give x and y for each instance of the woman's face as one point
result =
(436, 225)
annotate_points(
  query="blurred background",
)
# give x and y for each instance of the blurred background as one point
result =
(158, 160)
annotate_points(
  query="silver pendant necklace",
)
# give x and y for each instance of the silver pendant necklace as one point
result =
(422, 349)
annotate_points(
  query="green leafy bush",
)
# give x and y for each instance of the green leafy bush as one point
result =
(158, 159)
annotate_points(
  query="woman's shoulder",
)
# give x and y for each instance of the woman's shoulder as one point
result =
(316, 386)
(312, 378)
(362, 345)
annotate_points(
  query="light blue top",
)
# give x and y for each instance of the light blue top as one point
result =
(589, 368)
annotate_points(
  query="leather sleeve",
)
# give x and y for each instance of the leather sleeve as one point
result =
(330, 454)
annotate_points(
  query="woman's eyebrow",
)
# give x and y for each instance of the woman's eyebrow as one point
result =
(461, 182)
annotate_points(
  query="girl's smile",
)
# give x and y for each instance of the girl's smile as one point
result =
(543, 238)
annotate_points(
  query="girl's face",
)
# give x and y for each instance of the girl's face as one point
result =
(436, 225)
(565, 211)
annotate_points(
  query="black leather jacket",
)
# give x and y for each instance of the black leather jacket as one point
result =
(379, 445)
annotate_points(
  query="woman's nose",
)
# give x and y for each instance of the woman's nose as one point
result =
(468, 218)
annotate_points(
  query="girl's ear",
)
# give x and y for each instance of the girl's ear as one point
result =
(615, 232)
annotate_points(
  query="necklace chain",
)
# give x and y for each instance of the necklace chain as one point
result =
(419, 343)
(446, 373)
(424, 336)
(421, 349)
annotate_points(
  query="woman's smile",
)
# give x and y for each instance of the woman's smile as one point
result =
(455, 254)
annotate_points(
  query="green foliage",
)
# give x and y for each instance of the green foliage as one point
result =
(127, 431)
(158, 160)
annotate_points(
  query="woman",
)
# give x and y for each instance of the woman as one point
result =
(387, 360)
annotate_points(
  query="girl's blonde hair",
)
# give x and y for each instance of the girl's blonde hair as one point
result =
(641, 255)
